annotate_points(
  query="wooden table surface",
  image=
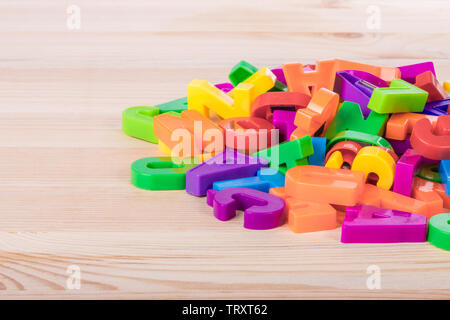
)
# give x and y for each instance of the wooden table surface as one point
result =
(65, 197)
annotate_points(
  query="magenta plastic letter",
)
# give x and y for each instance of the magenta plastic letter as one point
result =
(369, 224)
(283, 120)
(405, 170)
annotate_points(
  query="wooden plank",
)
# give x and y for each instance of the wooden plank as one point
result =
(65, 196)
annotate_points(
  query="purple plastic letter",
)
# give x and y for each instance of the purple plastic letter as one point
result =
(409, 72)
(261, 210)
(437, 108)
(400, 146)
(227, 165)
(357, 86)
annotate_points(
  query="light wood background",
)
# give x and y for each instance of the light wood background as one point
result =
(65, 196)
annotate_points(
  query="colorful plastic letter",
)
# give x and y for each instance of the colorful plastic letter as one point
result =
(176, 105)
(194, 130)
(347, 149)
(446, 86)
(305, 216)
(350, 117)
(283, 120)
(138, 122)
(243, 70)
(437, 108)
(444, 172)
(439, 231)
(317, 115)
(357, 86)
(262, 80)
(279, 73)
(181, 104)
(265, 104)
(272, 176)
(300, 81)
(335, 160)
(203, 96)
(319, 147)
(229, 164)
(400, 125)
(247, 134)
(431, 193)
(424, 191)
(288, 154)
(400, 146)
(401, 96)
(383, 198)
(254, 183)
(159, 173)
(406, 168)
(430, 172)
(376, 160)
(325, 185)
(225, 87)
(409, 72)
(428, 82)
(261, 210)
(369, 224)
(264, 181)
(432, 144)
(385, 73)
(323, 75)
(359, 137)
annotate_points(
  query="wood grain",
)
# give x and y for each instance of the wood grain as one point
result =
(65, 196)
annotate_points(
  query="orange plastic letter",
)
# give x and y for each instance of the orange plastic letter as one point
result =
(400, 125)
(320, 112)
(325, 185)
